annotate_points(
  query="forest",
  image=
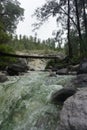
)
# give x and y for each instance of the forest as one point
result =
(71, 15)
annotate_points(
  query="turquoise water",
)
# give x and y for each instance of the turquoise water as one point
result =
(25, 102)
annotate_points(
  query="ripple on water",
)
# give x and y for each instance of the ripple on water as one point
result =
(25, 102)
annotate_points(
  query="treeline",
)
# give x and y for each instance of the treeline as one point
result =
(10, 14)
(31, 43)
(71, 15)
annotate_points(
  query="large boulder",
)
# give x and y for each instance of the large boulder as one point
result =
(83, 67)
(17, 68)
(74, 113)
(3, 77)
(80, 81)
(63, 71)
(73, 68)
(60, 96)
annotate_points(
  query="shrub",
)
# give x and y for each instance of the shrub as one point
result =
(5, 60)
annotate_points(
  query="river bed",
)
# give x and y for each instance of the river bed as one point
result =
(25, 101)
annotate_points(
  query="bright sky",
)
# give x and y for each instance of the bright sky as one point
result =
(25, 27)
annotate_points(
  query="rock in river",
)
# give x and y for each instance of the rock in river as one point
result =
(60, 96)
(74, 113)
(3, 77)
(63, 71)
(16, 68)
(83, 67)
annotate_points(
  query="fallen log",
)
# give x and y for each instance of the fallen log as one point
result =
(27, 56)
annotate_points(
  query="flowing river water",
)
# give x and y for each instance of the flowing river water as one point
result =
(25, 101)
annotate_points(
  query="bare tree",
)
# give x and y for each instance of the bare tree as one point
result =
(79, 28)
(68, 35)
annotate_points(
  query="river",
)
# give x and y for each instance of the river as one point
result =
(25, 101)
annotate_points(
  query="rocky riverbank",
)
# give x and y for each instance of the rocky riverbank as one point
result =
(73, 97)
(74, 112)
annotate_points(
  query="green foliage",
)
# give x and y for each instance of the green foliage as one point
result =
(5, 48)
(10, 14)
(32, 43)
(56, 64)
(71, 15)
(76, 46)
(75, 60)
(4, 61)
(50, 63)
(4, 37)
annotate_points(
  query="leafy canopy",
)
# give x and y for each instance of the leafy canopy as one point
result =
(10, 14)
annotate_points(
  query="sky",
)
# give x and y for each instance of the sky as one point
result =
(25, 27)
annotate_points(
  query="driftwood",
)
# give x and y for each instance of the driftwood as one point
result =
(27, 56)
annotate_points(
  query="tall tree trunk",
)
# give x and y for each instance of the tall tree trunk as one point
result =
(84, 16)
(68, 35)
(79, 29)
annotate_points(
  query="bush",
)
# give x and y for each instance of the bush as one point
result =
(75, 60)
(4, 60)
(56, 64)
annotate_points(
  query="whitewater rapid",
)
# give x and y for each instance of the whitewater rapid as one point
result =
(25, 101)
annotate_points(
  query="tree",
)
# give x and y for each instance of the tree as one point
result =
(79, 28)
(50, 43)
(84, 16)
(70, 14)
(4, 37)
(53, 8)
(68, 35)
(84, 22)
(10, 14)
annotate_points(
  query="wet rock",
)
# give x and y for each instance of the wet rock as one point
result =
(79, 81)
(83, 67)
(17, 68)
(3, 77)
(52, 74)
(63, 71)
(74, 113)
(72, 72)
(60, 96)
(31, 69)
(73, 68)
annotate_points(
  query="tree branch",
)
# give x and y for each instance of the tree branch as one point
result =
(69, 16)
